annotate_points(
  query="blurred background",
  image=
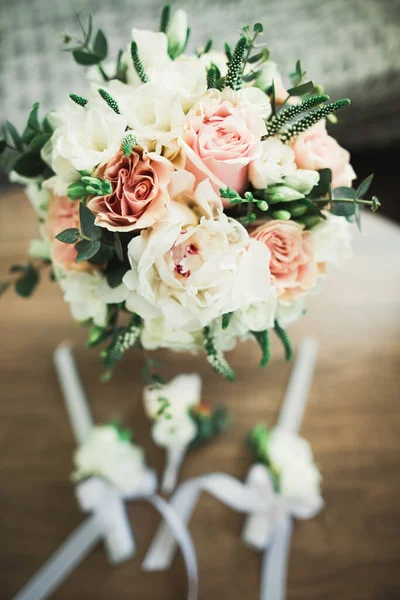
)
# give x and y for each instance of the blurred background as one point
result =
(350, 46)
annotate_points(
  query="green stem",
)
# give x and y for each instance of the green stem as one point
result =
(103, 73)
(349, 200)
(250, 48)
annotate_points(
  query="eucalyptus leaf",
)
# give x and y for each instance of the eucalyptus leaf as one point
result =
(343, 192)
(25, 285)
(69, 236)
(343, 209)
(85, 58)
(252, 76)
(16, 138)
(33, 119)
(100, 46)
(87, 249)
(364, 186)
(87, 218)
(322, 187)
(118, 246)
(115, 273)
(104, 255)
(258, 28)
(39, 141)
(29, 164)
(301, 90)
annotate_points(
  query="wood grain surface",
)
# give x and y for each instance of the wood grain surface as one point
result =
(351, 551)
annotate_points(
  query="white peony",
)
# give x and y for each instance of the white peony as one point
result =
(193, 273)
(88, 136)
(302, 180)
(88, 295)
(105, 454)
(275, 162)
(332, 240)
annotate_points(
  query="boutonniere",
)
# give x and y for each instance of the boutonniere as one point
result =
(180, 420)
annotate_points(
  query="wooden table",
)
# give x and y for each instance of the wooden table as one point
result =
(351, 551)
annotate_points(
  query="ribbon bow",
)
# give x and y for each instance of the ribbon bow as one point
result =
(106, 502)
(268, 525)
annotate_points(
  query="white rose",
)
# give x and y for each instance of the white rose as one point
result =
(88, 295)
(182, 392)
(332, 240)
(65, 173)
(104, 454)
(287, 314)
(284, 447)
(155, 334)
(88, 136)
(275, 162)
(174, 432)
(302, 180)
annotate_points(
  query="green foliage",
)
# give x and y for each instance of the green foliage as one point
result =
(233, 76)
(228, 52)
(87, 249)
(364, 186)
(288, 114)
(301, 90)
(123, 339)
(324, 184)
(115, 272)
(165, 17)
(312, 118)
(284, 337)
(262, 338)
(212, 77)
(208, 46)
(137, 63)
(226, 319)
(90, 50)
(258, 439)
(87, 221)
(248, 198)
(27, 282)
(79, 100)
(97, 335)
(215, 356)
(96, 186)
(112, 103)
(125, 435)
(128, 143)
(69, 236)
(209, 423)
(298, 75)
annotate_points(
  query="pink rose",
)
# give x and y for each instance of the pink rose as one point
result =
(139, 197)
(221, 141)
(63, 214)
(293, 268)
(315, 149)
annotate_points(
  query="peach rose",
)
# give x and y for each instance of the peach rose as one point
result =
(293, 268)
(63, 214)
(221, 141)
(315, 149)
(139, 197)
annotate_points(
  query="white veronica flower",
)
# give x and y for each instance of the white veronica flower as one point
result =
(177, 32)
(276, 161)
(193, 273)
(105, 454)
(332, 240)
(302, 180)
(88, 295)
(175, 428)
(87, 137)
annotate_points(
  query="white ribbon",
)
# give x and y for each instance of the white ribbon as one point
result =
(269, 524)
(175, 456)
(106, 502)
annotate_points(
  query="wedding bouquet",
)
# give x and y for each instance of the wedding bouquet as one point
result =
(185, 201)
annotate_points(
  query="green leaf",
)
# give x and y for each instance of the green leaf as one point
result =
(104, 255)
(165, 17)
(25, 285)
(29, 164)
(364, 186)
(4, 285)
(301, 90)
(262, 338)
(97, 335)
(16, 138)
(69, 236)
(85, 58)
(322, 187)
(89, 229)
(208, 46)
(343, 209)
(252, 76)
(226, 319)
(284, 337)
(100, 46)
(33, 119)
(118, 246)
(258, 28)
(3, 146)
(39, 141)
(76, 191)
(115, 273)
(87, 249)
